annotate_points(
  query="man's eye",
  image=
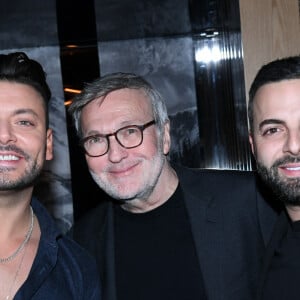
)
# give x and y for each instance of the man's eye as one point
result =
(26, 123)
(95, 140)
(130, 131)
(271, 131)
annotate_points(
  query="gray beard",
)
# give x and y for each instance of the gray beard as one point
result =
(287, 190)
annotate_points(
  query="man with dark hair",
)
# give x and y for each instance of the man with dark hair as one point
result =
(274, 118)
(169, 232)
(36, 262)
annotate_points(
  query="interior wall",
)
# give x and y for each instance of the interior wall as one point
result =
(270, 30)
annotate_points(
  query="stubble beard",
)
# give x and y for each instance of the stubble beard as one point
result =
(146, 186)
(28, 178)
(287, 190)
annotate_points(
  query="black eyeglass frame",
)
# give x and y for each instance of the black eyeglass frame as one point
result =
(140, 127)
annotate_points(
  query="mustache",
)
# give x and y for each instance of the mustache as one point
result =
(286, 160)
(14, 149)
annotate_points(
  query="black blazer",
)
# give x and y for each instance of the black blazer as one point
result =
(280, 231)
(231, 224)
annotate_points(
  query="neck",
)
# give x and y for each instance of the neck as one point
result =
(14, 212)
(15, 198)
(293, 212)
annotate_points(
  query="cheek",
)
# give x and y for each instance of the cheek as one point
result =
(267, 153)
(34, 144)
(147, 152)
(150, 146)
(95, 164)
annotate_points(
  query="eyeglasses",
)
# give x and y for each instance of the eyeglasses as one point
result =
(128, 137)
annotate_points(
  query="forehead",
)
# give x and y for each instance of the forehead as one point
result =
(277, 100)
(19, 94)
(123, 103)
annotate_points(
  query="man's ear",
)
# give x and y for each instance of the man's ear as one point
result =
(167, 138)
(251, 142)
(49, 144)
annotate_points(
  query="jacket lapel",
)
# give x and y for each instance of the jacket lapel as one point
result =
(279, 232)
(267, 219)
(205, 219)
(207, 233)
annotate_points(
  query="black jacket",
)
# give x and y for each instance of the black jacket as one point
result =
(280, 231)
(231, 225)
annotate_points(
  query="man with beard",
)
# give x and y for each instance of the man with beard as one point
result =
(168, 232)
(274, 118)
(36, 262)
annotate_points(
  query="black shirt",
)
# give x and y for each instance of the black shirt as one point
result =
(155, 254)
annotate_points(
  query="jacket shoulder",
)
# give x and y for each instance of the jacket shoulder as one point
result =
(73, 259)
(215, 178)
(90, 225)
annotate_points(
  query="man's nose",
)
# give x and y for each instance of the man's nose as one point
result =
(292, 144)
(116, 152)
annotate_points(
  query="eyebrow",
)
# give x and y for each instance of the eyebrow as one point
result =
(26, 111)
(122, 125)
(270, 121)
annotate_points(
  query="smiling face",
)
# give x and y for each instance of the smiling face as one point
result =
(25, 142)
(126, 174)
(275, 139)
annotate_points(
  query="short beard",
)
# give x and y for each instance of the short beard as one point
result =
(28, 178)
(287, 190)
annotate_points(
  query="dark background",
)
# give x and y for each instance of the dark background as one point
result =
(189, 50)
